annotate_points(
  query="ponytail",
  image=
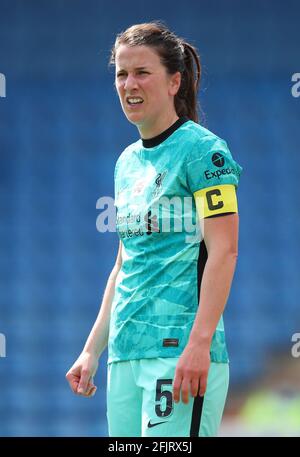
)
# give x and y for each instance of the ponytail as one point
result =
(186, 98)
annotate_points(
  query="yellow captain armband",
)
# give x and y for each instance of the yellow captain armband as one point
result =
(216, 200)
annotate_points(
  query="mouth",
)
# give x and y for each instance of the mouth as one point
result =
(134, 101)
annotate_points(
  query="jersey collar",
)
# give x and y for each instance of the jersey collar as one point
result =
(155, 141)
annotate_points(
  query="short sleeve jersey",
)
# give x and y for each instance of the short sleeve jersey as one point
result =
(160, 184)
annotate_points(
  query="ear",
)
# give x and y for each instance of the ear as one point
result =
(175, 81)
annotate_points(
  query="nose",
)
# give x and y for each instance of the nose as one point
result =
(130, 83)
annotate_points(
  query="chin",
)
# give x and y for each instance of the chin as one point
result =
(135, 118)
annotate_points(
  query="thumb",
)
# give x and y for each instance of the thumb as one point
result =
(83, 383)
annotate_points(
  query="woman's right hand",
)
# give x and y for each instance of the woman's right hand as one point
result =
(81, 375)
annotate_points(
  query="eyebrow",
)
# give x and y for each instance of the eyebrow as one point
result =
(137, 68)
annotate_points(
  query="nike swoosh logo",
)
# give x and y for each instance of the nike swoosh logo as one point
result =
(153, 425)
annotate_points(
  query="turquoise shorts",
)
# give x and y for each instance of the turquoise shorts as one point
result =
(140, 400)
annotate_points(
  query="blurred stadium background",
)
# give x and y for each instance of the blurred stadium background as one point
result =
(61, 131)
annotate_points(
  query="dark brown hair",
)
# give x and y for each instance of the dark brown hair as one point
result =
(175, 54)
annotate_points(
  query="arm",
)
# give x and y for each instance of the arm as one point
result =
(98, 337)
(80, 376)
(221, 239)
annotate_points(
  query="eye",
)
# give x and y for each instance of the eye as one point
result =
(143, 72)
(121, 74)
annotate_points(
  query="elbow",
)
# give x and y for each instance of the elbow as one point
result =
(231, 253)
(224, 254)
(115, 271)
(234, 256)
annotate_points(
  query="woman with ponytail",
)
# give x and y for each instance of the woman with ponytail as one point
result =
(175, 195)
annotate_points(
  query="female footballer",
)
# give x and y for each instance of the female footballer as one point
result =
(175, 195)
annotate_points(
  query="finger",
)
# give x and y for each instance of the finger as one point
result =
(73, 382)
(203, 384)
(176, 387)
(90, 392)
(185, 387)
(70, 376)
(194, 387)
(87, 390)
(74, 386)
(84, 381)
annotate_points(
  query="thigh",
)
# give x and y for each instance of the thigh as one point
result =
(161, 417)
(124, 401)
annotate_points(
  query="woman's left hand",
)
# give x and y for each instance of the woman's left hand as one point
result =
(191, 372)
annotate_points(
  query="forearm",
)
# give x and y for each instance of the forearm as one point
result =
(215, 287)
(98, 337)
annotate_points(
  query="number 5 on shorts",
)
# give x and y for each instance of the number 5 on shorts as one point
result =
(163, 396)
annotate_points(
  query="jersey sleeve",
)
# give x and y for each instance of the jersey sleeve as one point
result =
(212, 177)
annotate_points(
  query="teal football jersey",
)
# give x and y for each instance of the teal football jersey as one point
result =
(158, 286)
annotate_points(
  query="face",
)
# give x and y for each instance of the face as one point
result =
(145, 89)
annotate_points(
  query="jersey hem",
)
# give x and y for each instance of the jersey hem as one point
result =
(216, 358)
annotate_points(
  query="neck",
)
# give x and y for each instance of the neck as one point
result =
(158, 126)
